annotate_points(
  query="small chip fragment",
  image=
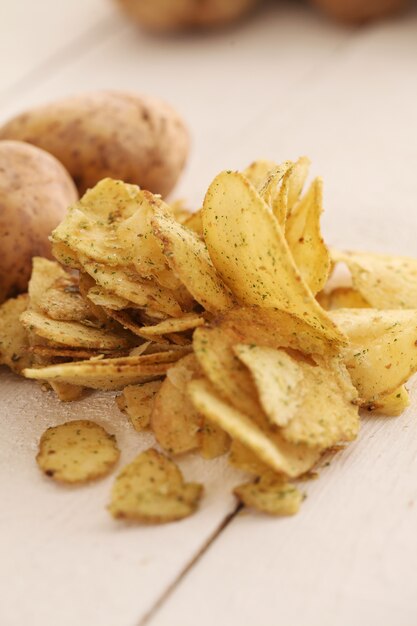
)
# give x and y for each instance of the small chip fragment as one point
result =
(77, 452)
(137, 402)
(271, 495)
(151, 489)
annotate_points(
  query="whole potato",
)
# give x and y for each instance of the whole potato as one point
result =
(358, 11)
(167, 15)
(35, 191)
(134, 138)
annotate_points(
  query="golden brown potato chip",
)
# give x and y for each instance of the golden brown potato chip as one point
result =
(257, 172)
(274, 190)
(270, 495)
(213, 441)
(386, 282)
(313, 402)
(139, 292)
(63, 301)
(174, 420)
(173, 325)
(392, 404)
(137, 402)
(103, 298)
(382, 351)
(269, 447)
(305, 240)
(106, 374)
(244, 459)
(14, 343)
(297, 178)
(249, 250)
(151, 489)
(67, 393)
(74, 334)
(342, 298)
(65, 255)
(188, 257)
(77, 451)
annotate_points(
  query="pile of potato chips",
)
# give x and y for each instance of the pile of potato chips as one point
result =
(222, 332)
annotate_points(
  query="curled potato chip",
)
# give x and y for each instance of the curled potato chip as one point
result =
(386, 282)
(188, 257)
(139, 292)
(382, 351)
(106, 374)
(103, 298)
(195, 223)
(249, 250)
(174, 420)
(77, 452)
(305, 240)
(173, 325)
(151, 489)
(44, 274)
(392, 404)
(63, 301)
(269, 447)
(270, 495)
(313, 402)
(137, 402)
(257, 172)
(14, 343)
(275, 189)
(74, 334)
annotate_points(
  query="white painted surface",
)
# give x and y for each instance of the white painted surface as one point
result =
(283, 84)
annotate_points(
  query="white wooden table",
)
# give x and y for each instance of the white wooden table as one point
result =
(283, 84)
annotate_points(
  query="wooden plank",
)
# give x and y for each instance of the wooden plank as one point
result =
(34, 32)
(350, 556)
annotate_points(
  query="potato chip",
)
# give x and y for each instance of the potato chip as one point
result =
(174, 420)
(386, 282)
(151, 489)
(137, 402)
(257, 172)
(342, 298)
(67, 393)
(313, 402)
(65, 255)
(14, 343)
(269, 447)
(180, 211)
(270, 495)
(188, 257)
(106, 374)
(297, 178)
(274, 190)
(382, 353)
(392, 404)
(74, 334)
(44, 274)
(305, 240)
(103, 298)
(77, 452)
(173, 325)
(63, 301)
(249, 250)
(213, 441)
(139, 292)
(245, 460)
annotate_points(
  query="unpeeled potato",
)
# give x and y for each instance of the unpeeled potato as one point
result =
(357, 11)
(171, 15)
(119, 135)
(35, 191)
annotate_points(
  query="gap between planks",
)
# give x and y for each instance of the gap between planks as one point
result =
(152, 612)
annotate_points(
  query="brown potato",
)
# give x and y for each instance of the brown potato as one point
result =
(120, 135)
(168, 15)
(35, 191)
(358, 11)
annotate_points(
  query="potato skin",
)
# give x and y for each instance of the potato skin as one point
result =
(360, 11)
(171, 15)
(120, 135)
(35, 191)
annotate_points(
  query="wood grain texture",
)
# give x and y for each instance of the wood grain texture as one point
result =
(284, 84)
